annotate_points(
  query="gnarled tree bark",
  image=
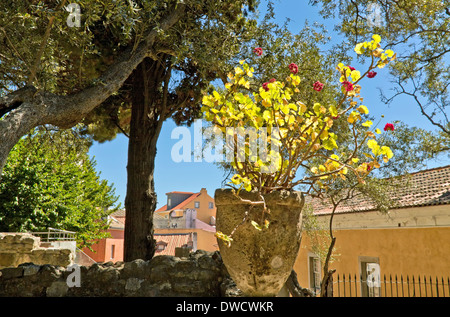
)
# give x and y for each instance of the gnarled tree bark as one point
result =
(145, 126)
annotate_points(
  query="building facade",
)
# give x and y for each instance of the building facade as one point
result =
(186, 221)
(187, 213)
(412, 239)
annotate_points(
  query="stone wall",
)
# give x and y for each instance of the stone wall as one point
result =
(200, 274)
(17, 248)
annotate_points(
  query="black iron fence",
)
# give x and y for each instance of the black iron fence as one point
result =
(347, 285)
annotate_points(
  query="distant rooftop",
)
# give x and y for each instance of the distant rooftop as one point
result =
(424, 188)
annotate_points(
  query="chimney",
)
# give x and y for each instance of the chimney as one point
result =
(203, 191)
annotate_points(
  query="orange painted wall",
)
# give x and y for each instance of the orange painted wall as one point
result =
(204, 213)
(102, 249)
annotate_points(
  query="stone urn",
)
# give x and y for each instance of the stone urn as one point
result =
(259, 261)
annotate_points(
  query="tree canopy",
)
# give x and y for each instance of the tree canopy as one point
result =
(50, 181)
(418, 31)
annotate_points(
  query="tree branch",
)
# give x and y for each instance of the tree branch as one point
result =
(65, 111)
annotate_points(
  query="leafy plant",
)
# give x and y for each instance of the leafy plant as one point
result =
(298, 135)
(50, 181)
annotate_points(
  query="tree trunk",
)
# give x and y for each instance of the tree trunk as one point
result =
(145, 126)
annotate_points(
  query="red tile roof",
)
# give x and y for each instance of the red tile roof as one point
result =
(175, 192)
(424, 188)
(119, 213)
(173, 241)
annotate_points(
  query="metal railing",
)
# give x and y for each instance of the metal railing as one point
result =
(397, 286)
(55, 235)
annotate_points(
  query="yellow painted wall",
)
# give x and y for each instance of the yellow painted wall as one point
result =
(402, 251)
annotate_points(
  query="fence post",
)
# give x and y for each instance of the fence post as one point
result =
(407, 284)
(390, 282)
(350, 284)
(401, 279)
(448, 284)
(431, 286)
(437, 287)
(339, 286)
(425, 283)
(343, 276)
(396, 285)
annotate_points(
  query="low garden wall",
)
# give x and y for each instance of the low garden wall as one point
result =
(200, 274)
(17, 248)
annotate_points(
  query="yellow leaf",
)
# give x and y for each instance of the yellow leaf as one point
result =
(387, 151)
(359, 48)
(333, 111)
(301, 108)
(355, 74)
(363, 109)
(376, 38)
(353, 117)
(389, 53)
(368, 123)
(291, 119)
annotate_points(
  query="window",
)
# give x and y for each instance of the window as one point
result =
(370, 276)
(211, 205)
(113, 249)
(161, 246)
(197, 204)
(314, 274)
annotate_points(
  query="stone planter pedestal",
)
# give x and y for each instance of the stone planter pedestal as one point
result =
(259, 261)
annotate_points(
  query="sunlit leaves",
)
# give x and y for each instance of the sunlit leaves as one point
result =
(306, 131)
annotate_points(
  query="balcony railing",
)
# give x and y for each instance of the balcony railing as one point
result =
(55, 235)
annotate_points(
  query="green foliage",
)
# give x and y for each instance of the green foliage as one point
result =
(303, 133)
(318, 233)
(69, 59)
(418, 31)
(50, 181)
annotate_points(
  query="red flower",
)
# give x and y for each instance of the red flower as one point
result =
(318, 86)
(389, 126)
(351, 68)
(369, 168)
(371, 74)
(293, 68)
(348, 85)
(258, 51)
(266, 88)
(272, 80)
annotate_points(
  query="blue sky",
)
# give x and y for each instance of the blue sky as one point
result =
(111, 157)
